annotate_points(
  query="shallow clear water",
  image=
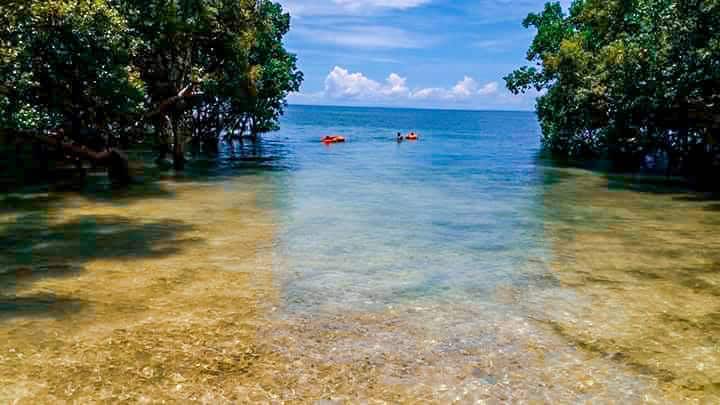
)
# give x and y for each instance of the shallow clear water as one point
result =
(461, 267)
(372, 222)
(474, 229)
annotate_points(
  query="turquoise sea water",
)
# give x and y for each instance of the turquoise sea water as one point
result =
(473, 240)
(372, 222)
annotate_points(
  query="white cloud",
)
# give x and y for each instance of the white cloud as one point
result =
(341, 84)
(489, 89)
(396, 85)
(303, 8)
(466, 89)
(391, 4)
(490, 44)
(363, 36)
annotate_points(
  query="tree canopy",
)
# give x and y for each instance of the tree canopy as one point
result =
(628, 80)
(168, 72)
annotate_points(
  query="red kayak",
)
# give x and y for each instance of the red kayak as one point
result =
(332, 139)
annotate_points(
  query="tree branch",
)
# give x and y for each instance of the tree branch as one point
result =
(115, 160)
(167, 104)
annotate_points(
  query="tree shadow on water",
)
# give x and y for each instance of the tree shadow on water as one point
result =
(42, 306)
(13, 203)
(640, 180)
(120, 195)
(25, 199)
(150, 180)
(32, 249)
(32, 238)
(653, 184)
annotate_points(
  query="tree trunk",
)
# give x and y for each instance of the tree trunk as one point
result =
(178, 147)
(115, 160)
(253, 131)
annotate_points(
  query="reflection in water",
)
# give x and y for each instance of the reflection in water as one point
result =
(434, 272)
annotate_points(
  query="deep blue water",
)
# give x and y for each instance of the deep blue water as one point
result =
(373, 222)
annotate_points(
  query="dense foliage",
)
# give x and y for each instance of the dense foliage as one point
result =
(630, 80)
(167, 72)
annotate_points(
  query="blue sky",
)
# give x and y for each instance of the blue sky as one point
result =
(410, 53)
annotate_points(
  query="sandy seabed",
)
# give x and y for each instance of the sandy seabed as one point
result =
(171, 299)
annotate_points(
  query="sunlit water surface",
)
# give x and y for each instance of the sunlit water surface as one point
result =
(462, 267)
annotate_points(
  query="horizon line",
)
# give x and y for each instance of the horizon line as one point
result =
(408, 108)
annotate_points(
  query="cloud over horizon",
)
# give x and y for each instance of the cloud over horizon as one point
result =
(343, 86)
